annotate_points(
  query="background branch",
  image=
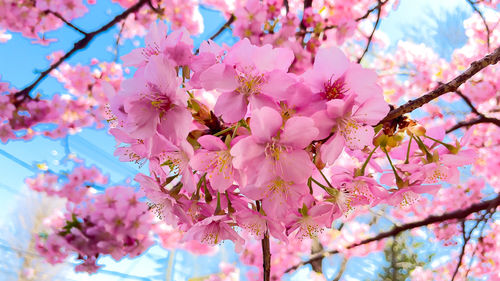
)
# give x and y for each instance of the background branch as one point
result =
(479, 120)
(488, 33)
(81, 44)
(458, 214)
(59, 16)
(451, 86)
(370, 38)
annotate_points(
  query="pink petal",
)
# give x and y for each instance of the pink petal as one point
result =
(219, 76)
(232, 106)
(277, 84)
(245, 150)
(331, 61)
(212, 143)
(323, 123)
(299, 132)
(331, 150)
(265, 123)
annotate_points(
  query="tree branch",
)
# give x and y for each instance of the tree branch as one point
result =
(342, 268)
(488, 32)
(451, 86)
(316, 247)
(379, 4)
(226, 25)
(266, 257)
(81, 44)
(370, 38)
(468, 102)
(479, 120)
(365, 16)
(287, 6)
(466, 237)
(457, 214)
(59, 16)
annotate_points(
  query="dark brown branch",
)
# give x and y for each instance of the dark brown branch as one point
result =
(370, 38)
(488, 32)
(479, 120)
(466, 237)
(380, 3)
(81, 44)
(266, 257)
(457, 214)
(221, 29)
(479, 239)
(227, 24)
(307, 4)
(468, 102)
(451, 86)
(462, 251)
(287, 6)
(365, 16)
(59, 16)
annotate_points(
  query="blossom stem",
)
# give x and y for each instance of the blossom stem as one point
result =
(398, 178)
(224, 131)
(318, 183)
(448, 146)
(362, 171)
(218, 209)
(324, 177)
(407, 160)
(422, 146)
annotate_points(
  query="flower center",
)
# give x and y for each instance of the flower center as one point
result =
(335, 89)
(150, 50)
(274, 150)
(250, 84)
(158, 99)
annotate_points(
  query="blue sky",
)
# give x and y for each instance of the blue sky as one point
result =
(19, 59)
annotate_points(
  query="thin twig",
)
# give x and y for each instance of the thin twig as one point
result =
(117, 43)
(489, 215)
(488, 32)
(479, 120)
(222, 28)
(342, 268)
(59, 16)
(370, 38)
(466, 238)
(451, 86)
(457, 214)
(81, 44)
(227, 24)
(371, 10)
(468, 102)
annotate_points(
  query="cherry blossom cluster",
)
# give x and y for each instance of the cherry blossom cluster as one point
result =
(234, 139)
(83, 105)
(34, 18)
(114, 222)
(277, 135)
